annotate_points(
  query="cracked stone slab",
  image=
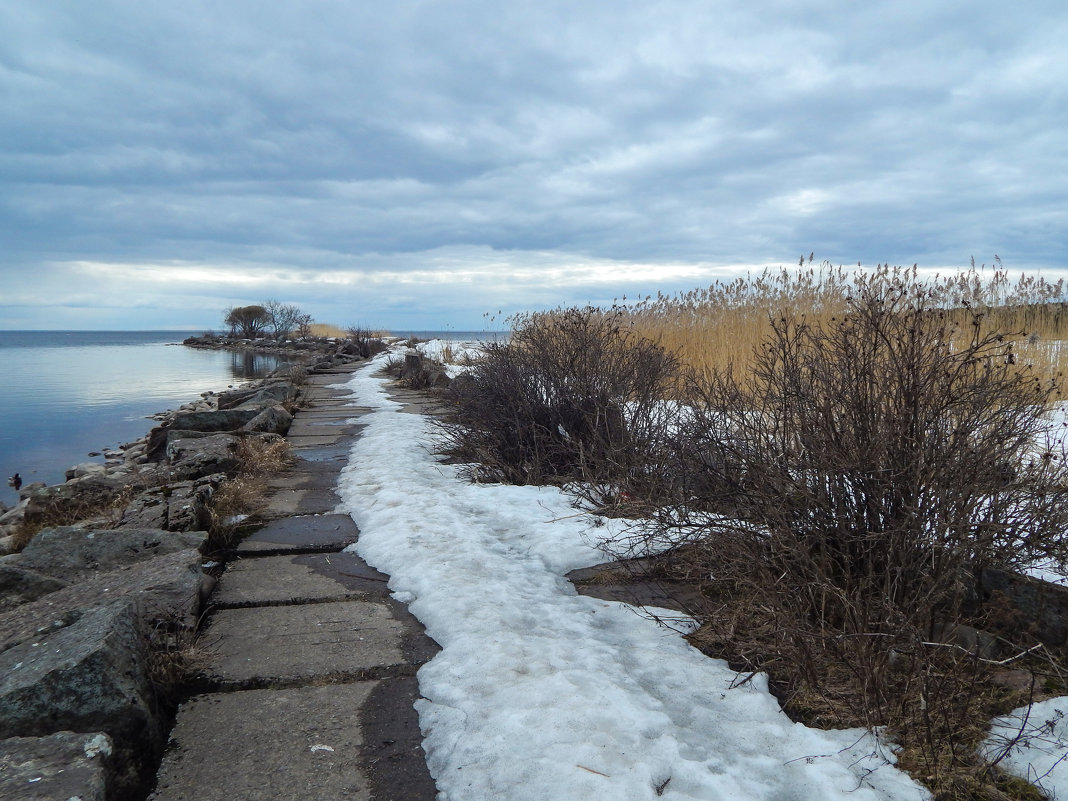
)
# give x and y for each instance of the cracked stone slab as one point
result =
(316, 532)
(300, 441)
(285, 645)
(326, 420)
(310, 501)
(303, 742)
(303, 578)
(338, 453)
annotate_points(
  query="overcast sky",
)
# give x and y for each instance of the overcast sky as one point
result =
(417, 164)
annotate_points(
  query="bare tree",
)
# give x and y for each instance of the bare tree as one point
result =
(367, 342)
(282, 317)
(303, 324)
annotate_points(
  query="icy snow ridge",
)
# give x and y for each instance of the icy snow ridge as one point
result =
(542, 694)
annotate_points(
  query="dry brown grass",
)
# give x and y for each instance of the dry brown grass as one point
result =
(90, 511)
(721, 327)
(816, 687)
(326, 330)
(244, 495)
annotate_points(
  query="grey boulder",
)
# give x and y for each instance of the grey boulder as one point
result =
(72, 552)
(225, 420)
(201, 456)
(19, 585)
(181, 506)
(63, 765)
(272, 420)
(76, 660)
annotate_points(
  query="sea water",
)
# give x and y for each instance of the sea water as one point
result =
(65, 394)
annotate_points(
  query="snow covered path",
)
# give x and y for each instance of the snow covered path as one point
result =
(542, 694)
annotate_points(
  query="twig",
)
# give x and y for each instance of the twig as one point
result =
(566, 517)
(1005, 661)
(591, 770)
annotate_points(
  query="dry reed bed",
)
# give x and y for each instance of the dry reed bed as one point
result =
(721, 327)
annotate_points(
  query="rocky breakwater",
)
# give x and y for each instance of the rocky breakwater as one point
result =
(314, 352)
(101, 589)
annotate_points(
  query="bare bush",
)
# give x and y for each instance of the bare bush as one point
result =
(367, 342)
(854, 484)
(573, 395)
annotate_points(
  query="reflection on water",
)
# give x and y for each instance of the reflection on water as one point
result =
(61, 401)
(246, 364)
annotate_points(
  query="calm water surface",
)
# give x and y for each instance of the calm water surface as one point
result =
(66, 393)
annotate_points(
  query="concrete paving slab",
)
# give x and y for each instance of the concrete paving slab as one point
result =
(308, 469)
(309, 533)
(310, 501)
(298, 441)
(416, 401)
(325, 426)
(305, 578)
(280, 646)
(338, 451)
(338, 407)
(394, 743)
(334, 409)
(324, 422)
(300, 743)
(337, 368)
(319, 467)
(635, 584)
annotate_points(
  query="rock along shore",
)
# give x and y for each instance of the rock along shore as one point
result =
(103, 580)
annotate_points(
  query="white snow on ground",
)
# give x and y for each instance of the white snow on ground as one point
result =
(452, 355)
(1040, 753)
(542, 694)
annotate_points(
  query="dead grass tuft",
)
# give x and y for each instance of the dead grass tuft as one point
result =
(243, 496)
(171, 654)
(89, 511)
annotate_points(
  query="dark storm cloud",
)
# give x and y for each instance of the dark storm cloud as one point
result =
(285, 146)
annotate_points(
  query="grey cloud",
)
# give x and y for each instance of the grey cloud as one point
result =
(326, 134)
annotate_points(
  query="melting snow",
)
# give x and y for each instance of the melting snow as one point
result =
(540, 693)
(1038, 737)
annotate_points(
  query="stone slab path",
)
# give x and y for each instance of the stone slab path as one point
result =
(309, 674)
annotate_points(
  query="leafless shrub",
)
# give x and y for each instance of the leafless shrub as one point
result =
(573, 394)
(367, 342)
(303, 325)
(852, 486)
(297, 375)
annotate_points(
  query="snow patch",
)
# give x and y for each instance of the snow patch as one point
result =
(1036, 739)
